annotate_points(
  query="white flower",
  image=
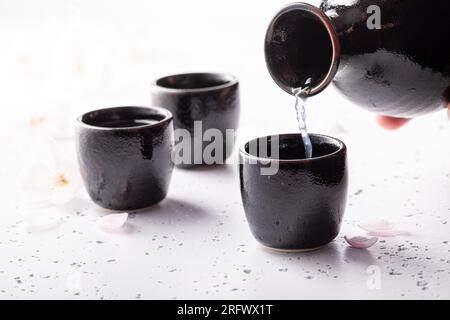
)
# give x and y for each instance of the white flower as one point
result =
(43, 221)
(46, 180)
(53, 122)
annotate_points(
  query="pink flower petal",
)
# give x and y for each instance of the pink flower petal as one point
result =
(386, 233)
(381, 228)
(42, 223)
(378, 225)
(34, 185)
(361, 242)
(112, 222)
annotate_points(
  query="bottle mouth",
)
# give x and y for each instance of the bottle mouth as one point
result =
(301, 43)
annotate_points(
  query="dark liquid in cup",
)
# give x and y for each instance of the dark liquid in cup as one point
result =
(126, 123)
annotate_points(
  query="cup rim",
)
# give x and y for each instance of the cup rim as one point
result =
(342, 147)
(230, 79)
(161, 111)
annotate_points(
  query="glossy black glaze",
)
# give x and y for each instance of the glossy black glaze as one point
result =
(301, 207)
(402, 69)
(125, 168)
(207, 97)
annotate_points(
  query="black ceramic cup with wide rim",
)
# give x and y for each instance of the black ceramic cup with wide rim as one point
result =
(300, 206)
(124, 154)
(203, 105)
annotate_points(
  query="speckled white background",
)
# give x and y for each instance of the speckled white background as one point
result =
(196, 244)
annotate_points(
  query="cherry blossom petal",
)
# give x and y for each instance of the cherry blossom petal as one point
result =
(112, 222)
(35, 175)
(48, 179)
(35, 185)
(52, 122)
(69, 166)
(58, 124)
(34, 201)
(67, 182)
(62, 195)
(386, 233)
(381, 228)
(378, 225)
(42, 223)
(45, 150)
(361, 242)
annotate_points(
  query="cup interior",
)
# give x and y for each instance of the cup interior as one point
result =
(291, 147)
(125, 117)
(195, 81)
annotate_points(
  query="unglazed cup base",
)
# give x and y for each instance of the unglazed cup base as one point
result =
(295, 250)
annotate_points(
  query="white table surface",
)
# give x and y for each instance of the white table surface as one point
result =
(196, 244)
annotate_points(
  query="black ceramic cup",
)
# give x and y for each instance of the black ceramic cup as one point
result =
(124, 155)
(300, 205)
(205, 107)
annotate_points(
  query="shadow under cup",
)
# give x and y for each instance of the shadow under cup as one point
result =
(297, 205)
(124, 155)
